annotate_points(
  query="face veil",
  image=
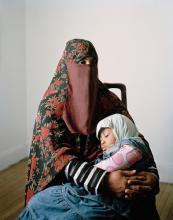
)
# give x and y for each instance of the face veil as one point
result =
(80, 113)
(82, 93)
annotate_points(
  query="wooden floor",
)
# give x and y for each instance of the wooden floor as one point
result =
(12, 183)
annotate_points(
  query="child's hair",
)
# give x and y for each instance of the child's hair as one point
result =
(100, 131)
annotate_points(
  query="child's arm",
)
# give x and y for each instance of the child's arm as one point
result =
(124, 158)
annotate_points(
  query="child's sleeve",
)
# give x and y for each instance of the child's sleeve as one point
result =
(125, 157)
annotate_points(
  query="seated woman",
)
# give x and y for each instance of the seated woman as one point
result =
(64, 137)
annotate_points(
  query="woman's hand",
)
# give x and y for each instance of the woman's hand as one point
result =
(116, 181)
(137, 186)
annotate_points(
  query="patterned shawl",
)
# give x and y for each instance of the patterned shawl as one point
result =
(56, 140)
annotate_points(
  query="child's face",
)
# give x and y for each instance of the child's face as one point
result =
(107, 139)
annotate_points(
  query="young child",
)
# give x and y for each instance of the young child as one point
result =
(122, 147)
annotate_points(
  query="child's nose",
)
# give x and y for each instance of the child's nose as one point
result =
(102, 141)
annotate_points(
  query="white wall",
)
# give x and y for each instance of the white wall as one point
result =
(134, 40)
(12, 82)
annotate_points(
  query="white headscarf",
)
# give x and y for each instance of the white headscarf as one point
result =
(122, 127)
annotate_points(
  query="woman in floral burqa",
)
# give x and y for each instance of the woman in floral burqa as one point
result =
(64, 143)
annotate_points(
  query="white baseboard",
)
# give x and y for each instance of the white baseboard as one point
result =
(12, 156)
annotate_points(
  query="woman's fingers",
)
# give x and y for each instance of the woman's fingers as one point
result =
(136, 178)
(136, 182)
(140, 188)
(129, 193)
(128, 173)
(141, 185)
(137, 190)
(128, 196)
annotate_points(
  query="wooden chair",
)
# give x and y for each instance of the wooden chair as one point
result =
(122, 88)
